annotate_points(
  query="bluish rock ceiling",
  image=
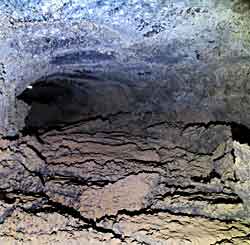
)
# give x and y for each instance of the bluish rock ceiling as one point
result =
(187, 53)
(132, 16)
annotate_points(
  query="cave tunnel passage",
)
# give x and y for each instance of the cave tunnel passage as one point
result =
(52, 102)
(60, 100)
(132, 133)
(57, 101)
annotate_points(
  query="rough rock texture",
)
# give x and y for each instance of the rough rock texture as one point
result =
(126, 180)
(124, 122)
(185, 59)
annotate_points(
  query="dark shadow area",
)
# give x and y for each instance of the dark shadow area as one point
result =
(57, 101)
(5, 198)
(206, 179)
(240, 133)
(52, 103)
(45, 93)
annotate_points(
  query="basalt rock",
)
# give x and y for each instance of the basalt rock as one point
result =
(124, 122)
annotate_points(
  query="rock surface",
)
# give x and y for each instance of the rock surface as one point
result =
(124, 122)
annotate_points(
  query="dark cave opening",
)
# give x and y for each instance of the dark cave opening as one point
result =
(61, 99)
(240, 133)
(52, 103)
(58, 101)
(44, 93)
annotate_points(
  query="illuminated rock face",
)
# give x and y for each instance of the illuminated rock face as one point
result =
(124, 122)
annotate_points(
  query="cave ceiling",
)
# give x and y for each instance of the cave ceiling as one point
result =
(190, 57)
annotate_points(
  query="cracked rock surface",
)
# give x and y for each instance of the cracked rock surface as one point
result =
(117, 181)
(124, 122)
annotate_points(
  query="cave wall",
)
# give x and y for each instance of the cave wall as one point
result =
(125, 180)
(124, 122)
